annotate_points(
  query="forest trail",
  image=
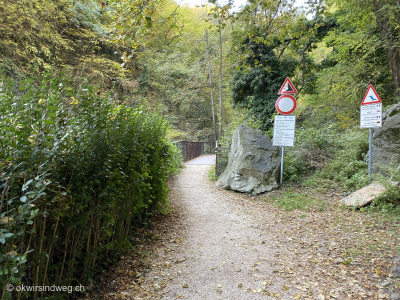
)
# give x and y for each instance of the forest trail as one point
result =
(217, 244)
(223, 253)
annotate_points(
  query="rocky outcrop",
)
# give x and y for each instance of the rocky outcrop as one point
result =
(253, 165)
(386, 140)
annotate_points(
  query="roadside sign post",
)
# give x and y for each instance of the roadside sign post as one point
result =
(284, 125)
(370, 153)
(284, 132)
(282, 156)
(371, 117)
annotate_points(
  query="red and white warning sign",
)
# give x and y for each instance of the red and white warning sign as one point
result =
(286, 104)
(287, 88)
(371, 97)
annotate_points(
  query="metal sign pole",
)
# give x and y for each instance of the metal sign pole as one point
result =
(285, 105)
(283, 154)
(370, 153)
(371, 117)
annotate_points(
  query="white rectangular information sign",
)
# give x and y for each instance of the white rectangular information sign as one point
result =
(284, 129)
(371, 115)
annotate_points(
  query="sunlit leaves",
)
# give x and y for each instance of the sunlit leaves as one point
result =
(356, 58)
(137, 22)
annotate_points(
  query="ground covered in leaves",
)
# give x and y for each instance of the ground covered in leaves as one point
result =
(218, 244)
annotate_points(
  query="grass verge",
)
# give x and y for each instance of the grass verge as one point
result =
(211, 174)
(292, 200)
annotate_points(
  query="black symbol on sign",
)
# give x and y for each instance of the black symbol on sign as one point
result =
(287, 88)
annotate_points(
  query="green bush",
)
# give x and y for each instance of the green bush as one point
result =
(77, 172)
(335, 155)
(310, 137)
(312, 149)
(390, 196)
(390, 199)
(349, 165)
(294, 167)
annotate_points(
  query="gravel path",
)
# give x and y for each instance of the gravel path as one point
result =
(223, 255)
(217, 244)
(202, 160)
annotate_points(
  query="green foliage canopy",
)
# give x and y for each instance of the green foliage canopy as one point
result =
(256, 89)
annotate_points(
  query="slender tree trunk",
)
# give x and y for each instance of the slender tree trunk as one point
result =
(211, 90)
(304, 68)
(220, 75)
(36, 276)
(389, 37)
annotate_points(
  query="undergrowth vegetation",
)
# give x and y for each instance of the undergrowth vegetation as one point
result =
(303, 201)
(77, 173)
(329, 154)
(337, 159)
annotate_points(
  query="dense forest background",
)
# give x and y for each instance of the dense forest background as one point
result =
(93, 93)
(154, 54)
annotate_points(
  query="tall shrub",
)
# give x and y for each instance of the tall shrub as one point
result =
(77, 172)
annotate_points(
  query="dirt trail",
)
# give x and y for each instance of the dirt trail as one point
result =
(223, 254)
(216, 244)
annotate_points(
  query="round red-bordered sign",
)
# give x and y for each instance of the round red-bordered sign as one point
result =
(286, 104)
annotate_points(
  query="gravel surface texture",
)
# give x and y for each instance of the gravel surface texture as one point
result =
(223, 254)
(202, 160)
(217, 244)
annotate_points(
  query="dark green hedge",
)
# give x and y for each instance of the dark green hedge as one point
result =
(78, 172)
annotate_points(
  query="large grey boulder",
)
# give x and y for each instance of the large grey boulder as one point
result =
(254, 164)
(386, 140)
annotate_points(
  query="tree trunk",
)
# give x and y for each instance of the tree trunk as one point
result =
(389, 37)
(211, 90)
(220, 75)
